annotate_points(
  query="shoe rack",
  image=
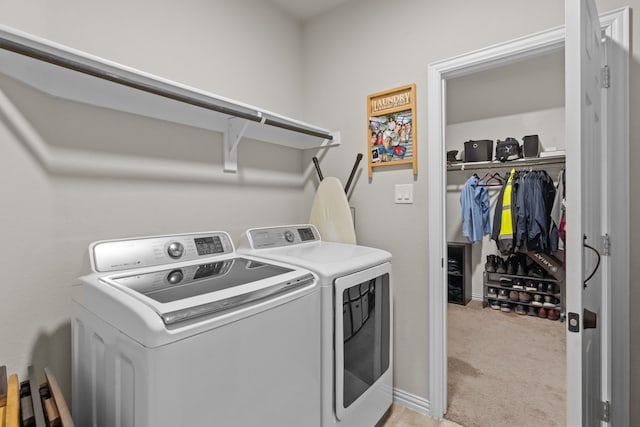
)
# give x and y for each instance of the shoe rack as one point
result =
(459, 273)
(524, 294)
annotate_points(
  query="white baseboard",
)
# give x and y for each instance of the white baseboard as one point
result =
(477, 297)
(411, 401)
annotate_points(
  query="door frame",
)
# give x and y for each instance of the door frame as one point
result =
(615, 378)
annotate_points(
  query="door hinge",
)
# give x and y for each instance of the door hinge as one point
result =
(606, 245)
(605, 411)
(604, 77)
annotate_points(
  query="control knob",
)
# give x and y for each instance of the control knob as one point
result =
(288, 236)
(175, 277)
(175, 249)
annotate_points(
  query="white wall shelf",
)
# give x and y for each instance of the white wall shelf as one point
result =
(518, 163)
(73, 75)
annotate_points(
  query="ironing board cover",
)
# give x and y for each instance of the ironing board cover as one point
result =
(330, 213)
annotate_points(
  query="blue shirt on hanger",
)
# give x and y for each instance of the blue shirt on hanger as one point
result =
(475, 210)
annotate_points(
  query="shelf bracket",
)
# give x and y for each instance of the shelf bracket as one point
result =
(235, 130)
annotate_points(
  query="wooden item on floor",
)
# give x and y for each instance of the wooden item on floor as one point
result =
(38, 412)
(3, 386)
(56, 393)
(10, 413)
(26, 405)
(51, 415)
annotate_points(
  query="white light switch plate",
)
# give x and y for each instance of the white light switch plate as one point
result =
(404, 193)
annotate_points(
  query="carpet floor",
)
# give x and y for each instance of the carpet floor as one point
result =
(504, 369)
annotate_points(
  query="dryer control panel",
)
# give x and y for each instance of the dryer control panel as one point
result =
(286, 235)
(117, 255)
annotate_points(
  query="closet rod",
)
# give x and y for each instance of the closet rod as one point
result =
(101, 74)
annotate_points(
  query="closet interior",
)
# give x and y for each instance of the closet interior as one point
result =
(501, 211)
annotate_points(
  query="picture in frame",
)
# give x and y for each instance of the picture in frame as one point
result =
(392, 134)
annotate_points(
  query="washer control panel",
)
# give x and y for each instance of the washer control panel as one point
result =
(117, 255)
(275, 237)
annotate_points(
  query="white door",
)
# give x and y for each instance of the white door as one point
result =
(584, 179)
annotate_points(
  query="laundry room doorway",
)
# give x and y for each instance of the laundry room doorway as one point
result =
(600, 372)
(505, 335)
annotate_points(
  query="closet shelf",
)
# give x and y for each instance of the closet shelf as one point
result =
(518, 164)
(73, 75)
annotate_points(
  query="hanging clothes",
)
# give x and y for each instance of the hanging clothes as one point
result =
(474, 201)
(503, 219)
(522, 219)
(536, 193)
(557, 215)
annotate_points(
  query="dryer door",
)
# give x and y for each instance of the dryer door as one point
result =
(363, 340)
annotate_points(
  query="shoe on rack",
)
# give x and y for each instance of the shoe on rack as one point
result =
(494, 304)
(513, 296)
(524, 297)
(520, 309)
(503, 295)
(506, 282)
(537, 272)
(553, 314)
(532, 311)
(522, 267)
(506, 307)
(529, 285)
(542, 287)
(553, 289)
(551, 302)
(538, 300)
(490, 266)
(500, 265)
(518, 284)
(542, 312)
(511, 265)
(491, 293)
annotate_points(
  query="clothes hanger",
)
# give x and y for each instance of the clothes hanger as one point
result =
(488, 177)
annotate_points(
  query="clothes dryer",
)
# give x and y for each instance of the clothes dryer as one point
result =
(180, 331)
(356, 318)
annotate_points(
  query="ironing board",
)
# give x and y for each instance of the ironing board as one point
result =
(330, 213)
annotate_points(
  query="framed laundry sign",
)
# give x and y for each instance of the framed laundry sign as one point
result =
(392, 137)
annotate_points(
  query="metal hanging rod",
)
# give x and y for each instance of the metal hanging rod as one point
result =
(80, 67)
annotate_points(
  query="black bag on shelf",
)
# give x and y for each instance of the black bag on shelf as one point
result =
(478, 151)
(531, 146)
(451, 156)
(509, 149)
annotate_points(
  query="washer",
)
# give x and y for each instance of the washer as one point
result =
(180, 331)
(357, 325)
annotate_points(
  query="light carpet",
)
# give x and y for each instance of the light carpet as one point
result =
(504, 369)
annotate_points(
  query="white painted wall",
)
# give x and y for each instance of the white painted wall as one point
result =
(247, 50)
(367, 46)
